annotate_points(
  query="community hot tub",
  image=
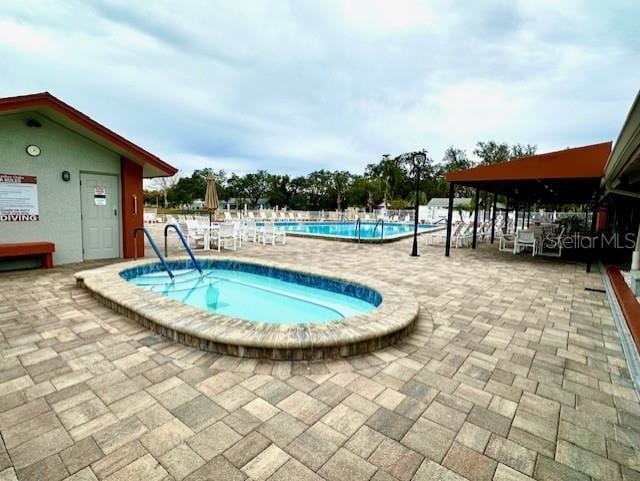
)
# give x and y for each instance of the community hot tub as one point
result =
(261, 310)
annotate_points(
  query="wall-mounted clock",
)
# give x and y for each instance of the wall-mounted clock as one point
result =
(33, 150)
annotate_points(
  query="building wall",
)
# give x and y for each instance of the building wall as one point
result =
(59, 201)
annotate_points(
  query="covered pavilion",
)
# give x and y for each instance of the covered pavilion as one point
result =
(569, 176)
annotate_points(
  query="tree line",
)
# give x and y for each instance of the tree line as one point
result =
(390, 180)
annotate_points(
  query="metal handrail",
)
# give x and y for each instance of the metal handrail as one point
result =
(380, 222)
(184, 243)
(358, 229)
(153, 246)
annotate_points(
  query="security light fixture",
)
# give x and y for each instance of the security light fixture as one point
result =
(66, 175)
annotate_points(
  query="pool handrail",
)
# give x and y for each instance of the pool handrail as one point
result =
(153, 246)
(184, 243)
(358, 229)
(380, 222)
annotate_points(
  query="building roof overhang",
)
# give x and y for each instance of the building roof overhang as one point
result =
(56, 110)
(622, 171)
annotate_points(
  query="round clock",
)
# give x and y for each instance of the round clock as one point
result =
(33, 150)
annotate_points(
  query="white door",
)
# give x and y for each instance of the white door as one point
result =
(100, 221)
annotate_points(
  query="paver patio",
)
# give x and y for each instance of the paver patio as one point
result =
(514, 372)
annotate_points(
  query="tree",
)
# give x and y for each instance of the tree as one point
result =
(492, 152)
(164, 185)
(456, 159)
(341, 183)
(255, 186)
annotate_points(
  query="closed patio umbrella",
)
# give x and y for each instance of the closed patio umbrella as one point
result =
(211, 195)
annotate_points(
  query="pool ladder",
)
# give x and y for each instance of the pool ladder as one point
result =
(154, 247)
(184, 243)
(356, 232)
(379, 222)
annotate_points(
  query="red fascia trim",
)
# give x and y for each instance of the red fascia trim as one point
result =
(628, 303)
(45, 99)
(584, 162)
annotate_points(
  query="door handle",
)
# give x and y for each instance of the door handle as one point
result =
(115, 212)
(135, 204)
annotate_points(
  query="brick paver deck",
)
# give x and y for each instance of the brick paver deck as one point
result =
(514, 372)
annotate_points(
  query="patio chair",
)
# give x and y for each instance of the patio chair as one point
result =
(269, 233)
(525, 239)
(226, 235)
(551, 244)
(507, 241)
(250, 230)
(192, 231)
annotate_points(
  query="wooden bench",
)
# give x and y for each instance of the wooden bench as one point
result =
(23, 249)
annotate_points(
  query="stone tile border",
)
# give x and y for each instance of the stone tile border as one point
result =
(392, 320)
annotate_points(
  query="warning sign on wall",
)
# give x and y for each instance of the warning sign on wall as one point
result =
(100, 195)
(18, 198)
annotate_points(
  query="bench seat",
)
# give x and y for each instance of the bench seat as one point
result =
(23, 249)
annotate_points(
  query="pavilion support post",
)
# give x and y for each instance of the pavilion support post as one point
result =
(484, 206)
(586, 216)
(447, 248)
(524, 213)
(592, 250)
(506, 218)
(515, 218)
(475, 220)
(493, 218)
(529, 216)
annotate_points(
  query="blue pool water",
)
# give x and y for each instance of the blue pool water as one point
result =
(259, 294)
(368, 230)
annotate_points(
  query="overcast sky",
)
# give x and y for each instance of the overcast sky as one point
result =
(293, 86)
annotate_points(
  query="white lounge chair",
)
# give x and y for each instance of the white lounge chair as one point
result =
(435, 238)
(269, 233)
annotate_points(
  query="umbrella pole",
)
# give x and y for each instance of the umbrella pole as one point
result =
(209, 217)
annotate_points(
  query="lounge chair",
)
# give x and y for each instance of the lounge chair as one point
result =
(463, 237)
(435, 238)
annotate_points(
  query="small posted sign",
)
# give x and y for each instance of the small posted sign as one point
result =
(18, 198)
(100, 195)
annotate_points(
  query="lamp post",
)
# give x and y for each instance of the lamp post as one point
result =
(418, 160)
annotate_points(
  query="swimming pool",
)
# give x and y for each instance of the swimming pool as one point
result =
(246, 291)
(369, 231)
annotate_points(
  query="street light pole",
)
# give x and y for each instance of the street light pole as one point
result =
(418, 159)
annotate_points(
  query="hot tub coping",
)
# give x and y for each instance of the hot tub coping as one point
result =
(392, 320)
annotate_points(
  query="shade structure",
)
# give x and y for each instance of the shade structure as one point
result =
(561, 177)
(211, 195)
(565, 176)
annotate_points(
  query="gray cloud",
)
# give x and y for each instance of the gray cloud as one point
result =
(295, 86)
